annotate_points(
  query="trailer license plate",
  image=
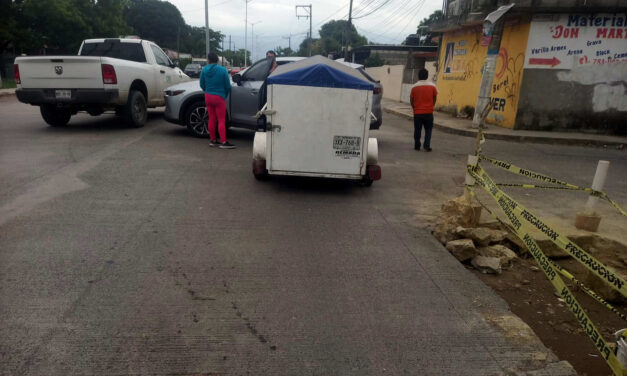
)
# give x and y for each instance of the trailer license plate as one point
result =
(347, 146)
(63, 94)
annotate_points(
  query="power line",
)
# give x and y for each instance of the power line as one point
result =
(333, 14)
(395, 19)
(411, 18)
(385, 2)
(396, 15)
(363, 6)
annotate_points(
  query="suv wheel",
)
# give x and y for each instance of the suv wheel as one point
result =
(196, 118)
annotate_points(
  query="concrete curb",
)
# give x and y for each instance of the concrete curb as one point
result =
(517, 138)
(7, 92)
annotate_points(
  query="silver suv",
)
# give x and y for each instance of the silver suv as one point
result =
(185, 103)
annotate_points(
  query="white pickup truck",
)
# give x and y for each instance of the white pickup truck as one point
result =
(125, 75)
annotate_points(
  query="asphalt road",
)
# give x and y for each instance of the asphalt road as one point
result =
(145, 251)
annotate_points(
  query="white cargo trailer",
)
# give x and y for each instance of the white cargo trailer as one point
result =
(317, 122)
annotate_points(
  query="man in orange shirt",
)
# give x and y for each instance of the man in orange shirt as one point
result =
(422, 98)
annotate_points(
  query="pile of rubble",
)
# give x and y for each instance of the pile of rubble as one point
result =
(458, 229)
(490, 249)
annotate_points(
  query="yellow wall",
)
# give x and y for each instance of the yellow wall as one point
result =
(459, 76)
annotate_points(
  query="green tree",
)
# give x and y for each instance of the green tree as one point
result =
(333, 36)
(58, 26)
(423, 34)
(337, 33)
(434, 17)
(55, 25)
(374, 61)
(316, 47)
(237, 57)
(162, 23)
(192, 40)
(280, 51)
(108, 19)
(9, 31)
(155, 20)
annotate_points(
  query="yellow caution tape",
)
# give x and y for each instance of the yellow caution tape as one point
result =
(538, 186)
(517, 214)
(561, 270)
(547, 179)
(527, 173)
(588, 291)
(513, 211)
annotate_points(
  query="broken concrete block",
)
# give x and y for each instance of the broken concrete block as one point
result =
(485, 264)
(454, 213)
(481, 235)
(462, 249)
(505, 254)
(468, 212)
(444, 229)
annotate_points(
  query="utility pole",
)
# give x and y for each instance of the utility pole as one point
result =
(289, 41)
(207, 45)
(348, 31)
(246, 33)
(492, 33)
(252, 36)
(223, 50)
(178, 44)
(230, 43)
(307, 14)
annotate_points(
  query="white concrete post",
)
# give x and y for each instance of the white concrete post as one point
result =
(589, 220)
(597, 184)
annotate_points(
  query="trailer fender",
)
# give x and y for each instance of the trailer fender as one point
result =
(259, 146)
(373, 151)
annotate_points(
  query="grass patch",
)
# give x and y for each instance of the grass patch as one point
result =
(8, 83)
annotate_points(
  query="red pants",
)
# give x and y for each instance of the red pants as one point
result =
(216, 106)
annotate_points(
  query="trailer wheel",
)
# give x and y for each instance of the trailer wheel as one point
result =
(259, 169)
(55, 117)
(135, 111)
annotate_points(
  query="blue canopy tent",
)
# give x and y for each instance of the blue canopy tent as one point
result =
(320, 75)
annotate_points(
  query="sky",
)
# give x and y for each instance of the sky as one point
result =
(276, 24)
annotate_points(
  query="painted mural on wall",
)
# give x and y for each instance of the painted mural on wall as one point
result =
(587, 49)
(461, 66)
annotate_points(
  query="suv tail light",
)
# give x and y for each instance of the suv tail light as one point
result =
(376, 90)
(16, 74)
(108, 74)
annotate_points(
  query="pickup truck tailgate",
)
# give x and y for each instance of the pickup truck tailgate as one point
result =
(59, 72)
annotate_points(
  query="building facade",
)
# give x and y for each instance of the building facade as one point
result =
(562, 64)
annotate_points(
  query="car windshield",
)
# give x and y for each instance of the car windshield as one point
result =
(192, 66)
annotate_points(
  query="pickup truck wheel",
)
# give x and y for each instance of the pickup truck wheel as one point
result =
(366, 181)
(135, 111)
(55, 117)
(196, 119)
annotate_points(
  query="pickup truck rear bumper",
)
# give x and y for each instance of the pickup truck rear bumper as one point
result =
(79, 96)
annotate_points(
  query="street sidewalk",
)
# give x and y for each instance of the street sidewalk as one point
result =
(446, 123)
(4, 92)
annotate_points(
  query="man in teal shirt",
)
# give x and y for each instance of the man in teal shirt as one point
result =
(215, 82)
